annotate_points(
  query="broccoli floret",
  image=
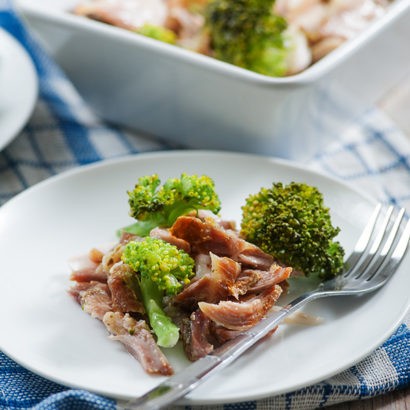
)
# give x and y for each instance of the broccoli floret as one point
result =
(247, 34)
(162, 270)
(291, 223)
(154, 205)
(158, 33)
(166, 265)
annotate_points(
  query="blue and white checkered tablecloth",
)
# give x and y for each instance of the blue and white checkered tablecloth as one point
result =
(63, 133)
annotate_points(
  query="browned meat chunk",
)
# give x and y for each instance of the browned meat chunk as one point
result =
(196, 336)
(234, 286)
(275, 275)
(139, 342)
(202, 265)
(241, 315)
(96, 255)
(76, 290)
(252, 256)
(247, 279)
(204, 236)
(111, 257)
(94, 298)
(165, 235)
(84, 268)
(127, 237)
(223, 335)
(213, 286)
(123, 297)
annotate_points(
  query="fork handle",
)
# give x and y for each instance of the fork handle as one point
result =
(188, 379)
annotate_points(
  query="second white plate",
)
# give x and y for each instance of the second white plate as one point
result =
(18, 88)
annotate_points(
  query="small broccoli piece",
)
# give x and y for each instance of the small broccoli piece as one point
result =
(162, 270)
(158, 33)
(247, 34)
(166, 265)
(154, 205)
(292, 224)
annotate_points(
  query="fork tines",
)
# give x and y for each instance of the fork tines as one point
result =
(381, 246)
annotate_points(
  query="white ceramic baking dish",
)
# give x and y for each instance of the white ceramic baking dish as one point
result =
(204, 103)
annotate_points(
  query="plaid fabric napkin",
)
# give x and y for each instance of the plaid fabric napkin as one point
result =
(63, 133)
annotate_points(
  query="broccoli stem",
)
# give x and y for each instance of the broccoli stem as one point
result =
(140, 228)
(164, 328)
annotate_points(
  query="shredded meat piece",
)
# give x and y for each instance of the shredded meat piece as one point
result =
(223, 335)
(202, 266)
(276, 274)
(241, 315)
(76, 290)
(128, 237)
(225, 270)
(213, 286)
(165, 235)
(252, 256)
(123, 297)
(204, 236)
(196, 336)
(234, 286)
(88, 275)
(111, 257)
(84, 269)
(139, 342)
(96, 255)
(206, 215)
(247, 279)
(94, 298)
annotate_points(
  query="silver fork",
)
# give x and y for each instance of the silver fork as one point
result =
(376, 256)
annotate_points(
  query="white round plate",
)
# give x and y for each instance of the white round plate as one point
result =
(18, 88)
(44, 330)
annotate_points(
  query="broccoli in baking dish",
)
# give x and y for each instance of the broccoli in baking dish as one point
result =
(247, 34)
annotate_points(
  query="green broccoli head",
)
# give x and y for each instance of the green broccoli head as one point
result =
(158, 33)
(164, 264)
(292, 224)
(247, 34)
(155, 205)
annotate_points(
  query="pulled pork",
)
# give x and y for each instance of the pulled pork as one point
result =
(235, 285)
